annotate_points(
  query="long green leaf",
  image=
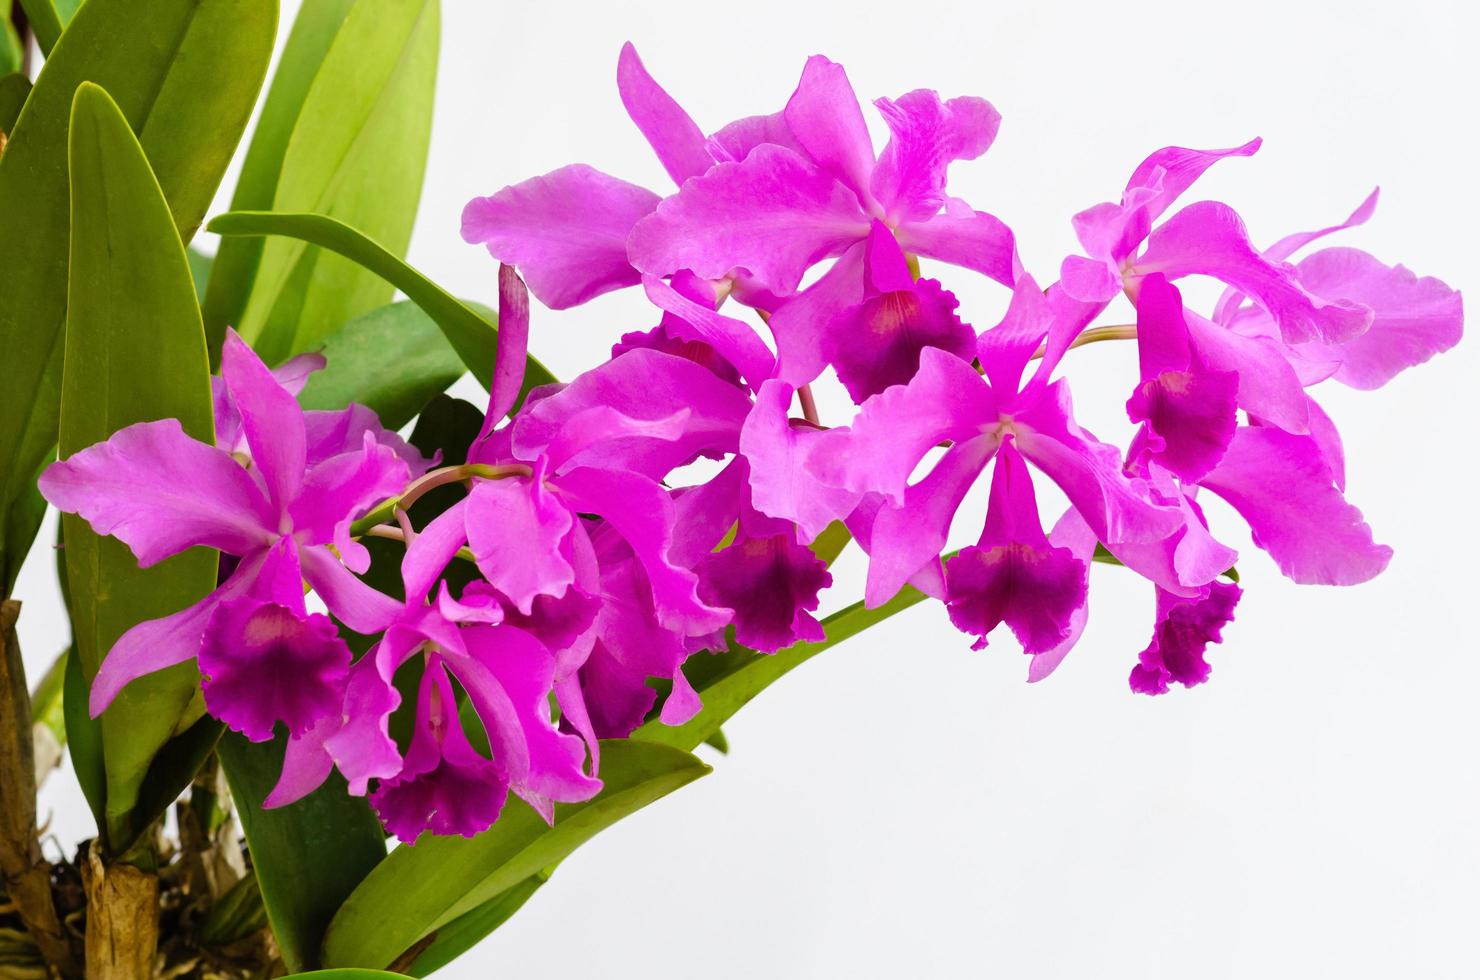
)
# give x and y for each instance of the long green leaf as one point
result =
(84, 740)
(393, 360)
(15, 88)
(314, 30)
(464, 932)
(420, 889)
(347, 975)
(12, 51)
(308, 856)
(45, 23)
(728, 681)
(473, 336)
(357, 152)
(185, 74)
(135, 352)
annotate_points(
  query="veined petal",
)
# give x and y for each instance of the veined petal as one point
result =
(908, 537)
(1179, 642)
(1013, 575)
(517, 530)
(1209, 239)
(159, 643)
(159, 491)
(566, 232)
(674, 137)
(509, 675)
(642, 385)
(976, 241)
(262, 663)
(271, 420)
(341, 489)
(927, 135)
(1281, 485)
(1189, 411)
(781, 482)
(735, 341)
(771, 216)
(1268, 386)
(641, 511)
(1413, 318)
(1089, 472)
(350, 599)
(445, 786)
(773, 585)
(945, 400)
(824, 116)
(800, 325)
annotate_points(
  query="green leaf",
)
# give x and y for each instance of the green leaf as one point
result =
(46, 24)
(314, 30)
(308, 856)
(135, 352)
(393, 360)
(419, 890)
(14, 89)
(84, 739)
(46, 699)
(357, 151)
(468, 929)
(12, 54)
(200, 269)
(472, 335)
(728, 681)
(185, 76)
(346, 975)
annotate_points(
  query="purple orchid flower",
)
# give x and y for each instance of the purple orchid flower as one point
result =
(779, 209)
(1012, 575)
(161, 492)
(1207, 238)
(1414, 318)
(567, 230)
(1179, 642)
(508, 676)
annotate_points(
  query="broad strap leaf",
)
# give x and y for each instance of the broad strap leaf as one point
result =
(419, 890)
(135, 352)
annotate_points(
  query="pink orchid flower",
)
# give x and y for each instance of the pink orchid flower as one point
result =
(161, 492)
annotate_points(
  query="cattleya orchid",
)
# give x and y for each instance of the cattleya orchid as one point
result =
(665, 505)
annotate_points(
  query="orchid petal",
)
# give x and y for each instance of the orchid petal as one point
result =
(927, 135)
(1281, 485)
(678, 142)
(161, 492)
(566, 232)
(772, 216)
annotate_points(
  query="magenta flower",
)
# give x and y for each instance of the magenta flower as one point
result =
(780, 209)
(1206, 238)
(948, 401)
(1179, 642)
(749, 563)
(1414, 318)
(508, 676)
(1188, 410)
(567, 230)
(161, 492)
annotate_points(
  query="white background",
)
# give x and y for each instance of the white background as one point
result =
(904, 807)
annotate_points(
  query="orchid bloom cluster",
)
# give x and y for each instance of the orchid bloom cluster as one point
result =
(602, 567)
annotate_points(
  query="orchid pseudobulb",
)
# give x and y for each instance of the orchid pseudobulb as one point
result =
(593, 566)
